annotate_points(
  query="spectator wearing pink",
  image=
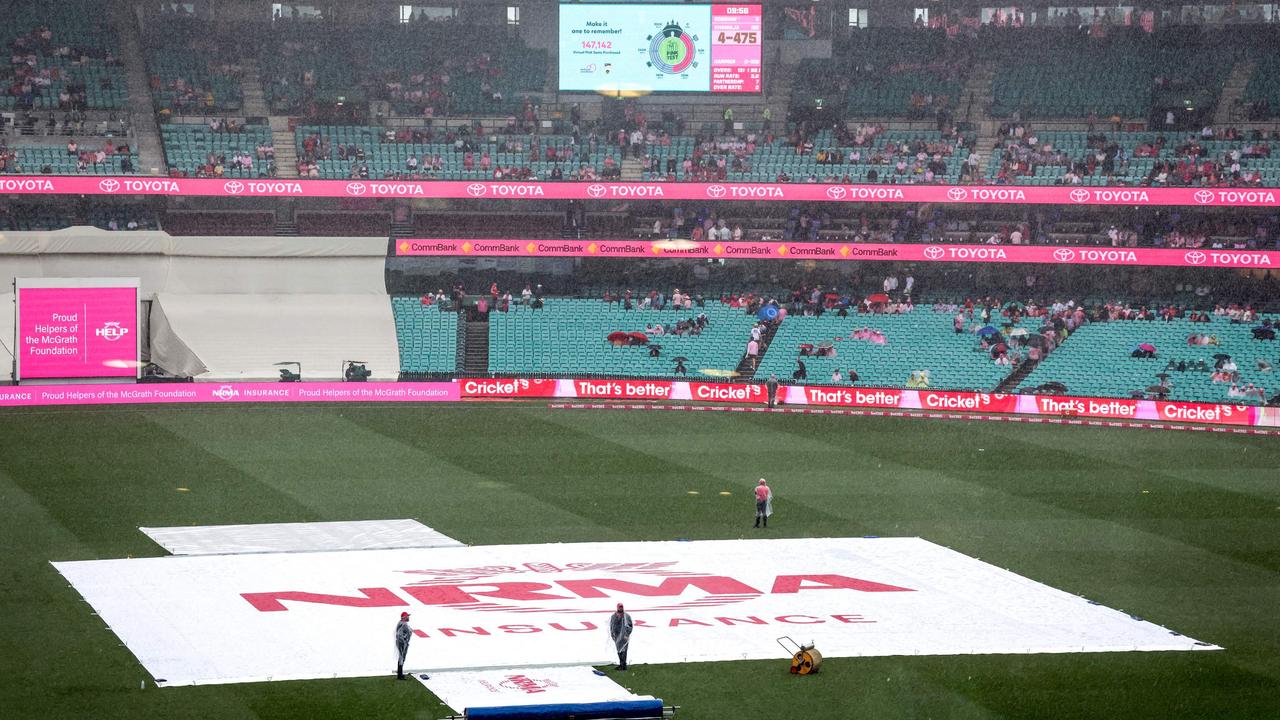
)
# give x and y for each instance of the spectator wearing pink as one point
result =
(764, 502)
(753, 351)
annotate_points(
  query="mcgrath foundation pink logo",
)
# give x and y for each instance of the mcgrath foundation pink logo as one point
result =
(111, 331)
(933, 253)
(109, 185)
(716, 191)
(957, 194)
(1204, 197)
(233, 187)
(476, 189)
(596, 191)
(1064, 255)
(1079, 195)
(835, 193)
(1195, 257)
(356, 189)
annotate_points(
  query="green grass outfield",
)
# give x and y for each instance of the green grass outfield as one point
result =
(1180, 528)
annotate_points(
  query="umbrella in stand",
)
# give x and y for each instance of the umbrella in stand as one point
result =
(1035, 340)
(768, 312)
(1221, 356)
(1047, 327)
(1054, 387)
(1018, 332)
(618, 337)
(1157, 389)
(680, 359)
(1147, 347)
(1163, 376)
(989, 330)
(639, 338)
(878, 299)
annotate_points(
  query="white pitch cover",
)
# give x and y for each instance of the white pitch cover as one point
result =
(284, 616)
(462, 689)
(297, 537)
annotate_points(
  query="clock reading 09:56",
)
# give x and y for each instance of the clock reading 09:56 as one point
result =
(741, 38)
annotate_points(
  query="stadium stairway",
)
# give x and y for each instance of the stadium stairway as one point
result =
(476, 360)
(1233, 93)
(255, 101)
(282, 138)
(140, 105)
(975, 99)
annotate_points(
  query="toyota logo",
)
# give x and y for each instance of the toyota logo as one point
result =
(957, 194)
(234, 187)
(716, 191)
(835, 193)
(476, 189)
(1079, 195)
(109, 185)
(1204, 197)
(1195, 257)
(1064, 255)
(356, 188)
(933, 253)
(595, 191)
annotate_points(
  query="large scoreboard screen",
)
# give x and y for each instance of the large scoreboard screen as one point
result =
(640, 49)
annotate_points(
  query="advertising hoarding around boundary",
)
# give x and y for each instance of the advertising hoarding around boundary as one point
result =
(650, 391)
(730, 191)
(841, 252)
(76, 328)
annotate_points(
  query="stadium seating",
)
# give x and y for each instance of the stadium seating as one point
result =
(888, 72)
(568, 336)
(778, 158)
(1096, 361)
(1263, 88)
(33, 159)
(183, 79)
(428, 336)
(919, 340)
(71, 26)
(1076, 147)
(187, 147)
(385, 159)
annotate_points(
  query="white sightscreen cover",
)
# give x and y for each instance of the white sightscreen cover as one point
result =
(462, 689)
(297, 537)
(240, 618)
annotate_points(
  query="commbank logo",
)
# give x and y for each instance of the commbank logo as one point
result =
(109, 185)
(1064, 255)
(476, 189)
(233, 187)
(356, 188)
